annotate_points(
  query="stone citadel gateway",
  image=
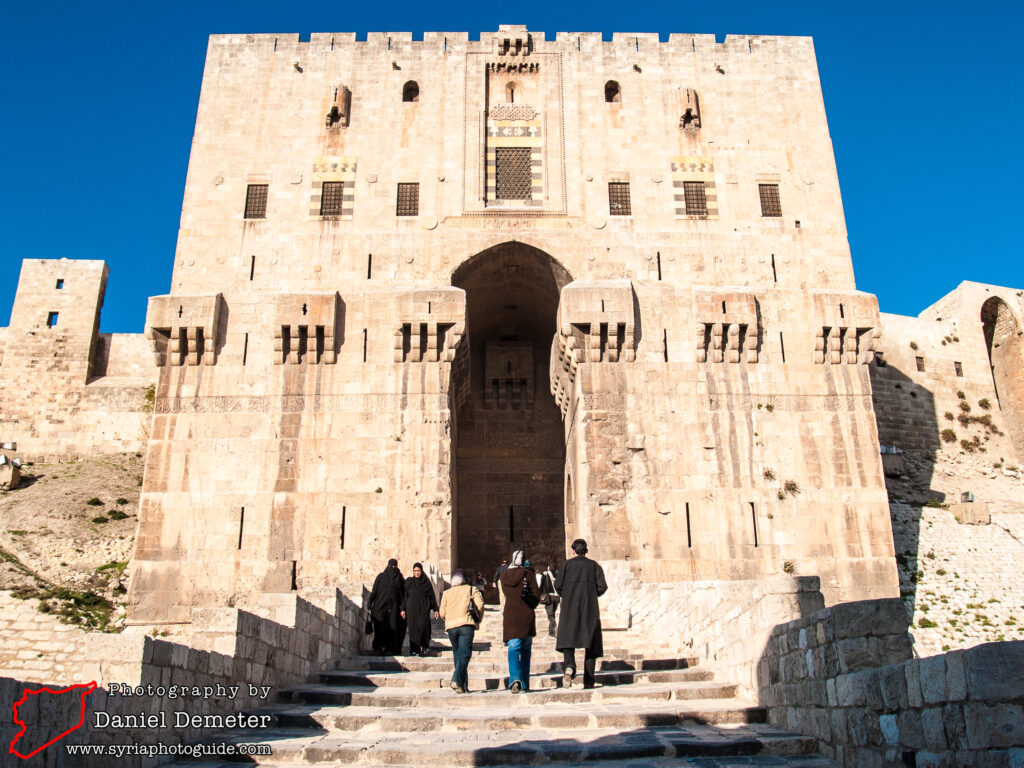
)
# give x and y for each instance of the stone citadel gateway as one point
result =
(441, 299)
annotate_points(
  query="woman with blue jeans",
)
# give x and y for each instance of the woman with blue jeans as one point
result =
(519, 622)
(460, 626)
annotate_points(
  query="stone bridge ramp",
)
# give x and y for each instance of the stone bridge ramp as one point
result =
(646, 711)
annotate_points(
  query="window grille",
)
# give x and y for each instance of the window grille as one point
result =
(513, 173)
(770, 203)
(920, 364)
(408, 200)
(618, 198)
(256, 201)
(696, 200)
(330, 198)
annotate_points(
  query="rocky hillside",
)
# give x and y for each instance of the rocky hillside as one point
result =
(67, 533)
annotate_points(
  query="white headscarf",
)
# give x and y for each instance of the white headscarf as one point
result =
(517, 559)
(458, 578)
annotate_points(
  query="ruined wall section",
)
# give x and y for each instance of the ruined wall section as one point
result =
(927, 361)
(60, 397)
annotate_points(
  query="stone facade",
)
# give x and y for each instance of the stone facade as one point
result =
(617, 303)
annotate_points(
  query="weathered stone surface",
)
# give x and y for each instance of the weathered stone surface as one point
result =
(995, 671)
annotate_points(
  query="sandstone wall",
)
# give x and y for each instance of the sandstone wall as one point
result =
(929, 359)
(293, 639)
(69, 390)
(845, 676)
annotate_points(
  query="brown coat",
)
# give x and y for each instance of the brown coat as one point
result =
(519, 619)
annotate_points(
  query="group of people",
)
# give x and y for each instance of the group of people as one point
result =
(572, 593)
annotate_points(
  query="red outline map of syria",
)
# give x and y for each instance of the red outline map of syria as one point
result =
(84, 690)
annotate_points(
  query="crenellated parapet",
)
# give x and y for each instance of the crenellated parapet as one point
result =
(728, 326)
(183, 329)
(305, 328)
(431, 325)
(848, 328)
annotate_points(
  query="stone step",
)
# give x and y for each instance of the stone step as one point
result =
(394, 697)
(802, 761)
(539, 664)
(495, 679)
(628, 714)
(597, 747)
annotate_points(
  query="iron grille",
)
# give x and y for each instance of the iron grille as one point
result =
(408, 200)
(256, 201)
(513, 174)
(330, 198)
(696, 200)
(770, 203)
(618, 198)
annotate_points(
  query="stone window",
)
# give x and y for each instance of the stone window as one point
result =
(330, 198)
(51, 319)
(408, 200)
(618, 198)
(256, 201)
(696, 199)
(60, 284)
(770, 203)
(959, 368)
(920, 364)
(612, 92)
(411, 91)
(513, 173)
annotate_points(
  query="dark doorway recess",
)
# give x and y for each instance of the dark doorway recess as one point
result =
(509, 448)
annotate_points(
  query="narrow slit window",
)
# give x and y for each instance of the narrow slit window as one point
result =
(771, 205)
(689, 535)
(60, 284)
(330, 198)
(959, 368)
(51, 319)
(696, 199)
(245, 349)
(920, 364)
(256, 201)
(618, 198)
(408, 203)
(775, 275)
(252, 267)
(782, 347)
(343, 511)
(753, 519)
(241, 527)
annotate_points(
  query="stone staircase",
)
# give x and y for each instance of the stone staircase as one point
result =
(650, 709)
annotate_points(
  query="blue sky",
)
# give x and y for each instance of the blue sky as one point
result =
(923, 99)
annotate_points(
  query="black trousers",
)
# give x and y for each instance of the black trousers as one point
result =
(589, 664)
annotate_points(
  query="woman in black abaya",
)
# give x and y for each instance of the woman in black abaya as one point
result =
(385, 604)
(419, 603)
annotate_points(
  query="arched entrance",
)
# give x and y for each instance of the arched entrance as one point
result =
(1005, 346)
(509, 451)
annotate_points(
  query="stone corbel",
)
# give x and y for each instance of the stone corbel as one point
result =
(183, 329)
(849, 329)
(596, 322)
(305, 328)
(728, 330)
(431, 325)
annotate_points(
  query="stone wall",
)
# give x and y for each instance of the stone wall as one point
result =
(294, 639)
(69, 390)
(845, 675)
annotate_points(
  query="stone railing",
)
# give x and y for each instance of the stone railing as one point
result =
(845, 676)
(240, 658)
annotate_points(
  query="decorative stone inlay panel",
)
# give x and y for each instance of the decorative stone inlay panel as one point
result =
(512, 112)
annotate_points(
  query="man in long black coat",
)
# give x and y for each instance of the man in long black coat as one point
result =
(580, 582)
(386, 601)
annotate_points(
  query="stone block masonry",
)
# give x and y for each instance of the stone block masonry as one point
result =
(845, 676)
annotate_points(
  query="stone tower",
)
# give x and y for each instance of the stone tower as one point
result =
(443, 299)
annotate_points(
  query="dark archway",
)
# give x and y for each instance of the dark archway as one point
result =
(1005, 345)
(509, 459)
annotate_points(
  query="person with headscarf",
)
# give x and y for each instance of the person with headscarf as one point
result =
(419, 603)
(519, 622)
(580, 581)
(385, 604)
(460, 626)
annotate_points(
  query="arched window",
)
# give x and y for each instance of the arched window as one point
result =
(612, 93)
(510, 91)
(411, 91)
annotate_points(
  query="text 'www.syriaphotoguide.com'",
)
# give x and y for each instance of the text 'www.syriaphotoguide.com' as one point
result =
(156, 750)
